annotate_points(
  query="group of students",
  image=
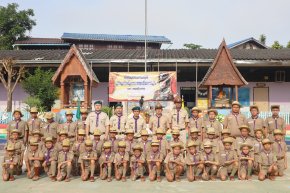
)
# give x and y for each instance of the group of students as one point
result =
(121, 146)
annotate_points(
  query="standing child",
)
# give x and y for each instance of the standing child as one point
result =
(163, 144)
(194, 137)
(258, 148)
(121, 161)
(154, 160)
(194, 161)
(106, 162)
(246, 161)
(50, 158)
(211, 162)
(113, 139)
(10, 163)
(137, 162)
(87, 160)
(279, 148)
(78, 148)
(65, 158)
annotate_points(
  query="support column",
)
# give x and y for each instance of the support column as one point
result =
(237, 92)
(209, 96)
(86, 85)
(62, 91)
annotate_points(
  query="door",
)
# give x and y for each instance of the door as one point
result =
(261, 98)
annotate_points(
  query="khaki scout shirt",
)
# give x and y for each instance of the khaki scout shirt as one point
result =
(130, 145)
(20, 125)
(98, 146)
(118, 122)
(198, 141)
(136, 124)
(164, 146)
(255, 123)
(50, 154)
(215, 144)
(267, 158)
(29, 153)
(134, 161)
(171, 157)
(226, 155)
(18, 146)
(213, 157)
(78, 147)
(193, 158)
(49, 129)
(69, 127)
(161, 121)
(241, 140)
(214, 124)
(65, 156)
(280, 149)
(114, 143)
(14, 159)
(146, 145)
(221, 145)
(233, 122)
(179, 118)
(154, 156)
(196, 122)
(33, 124)
(107, 157)
(100, 121)
(275, 123)
(87, 154)
(119, 157)
(244, 162)
(257, 146)
(81, 125)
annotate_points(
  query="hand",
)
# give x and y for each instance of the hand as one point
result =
(31, 158)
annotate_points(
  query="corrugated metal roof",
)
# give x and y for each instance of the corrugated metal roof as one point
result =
(233, 45)
(40, 41)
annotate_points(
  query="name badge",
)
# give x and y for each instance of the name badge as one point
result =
(251, 122)
(270, 122)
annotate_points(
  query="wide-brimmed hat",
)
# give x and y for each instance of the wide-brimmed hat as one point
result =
(175, 132)
(81, 132)
(113, 130)
(236, 103)
(278, 132)
(84, 111)
(33, 110)
(155, 142)
(48, 139)
(37, 132)
(10, 147)
(15, 131)
(19, 111)
(226, 131)
(228, 140)
(246, 145)
(192, 143)
(129, 131)
(33, 141)
(122, 144)
(69, 112)
(97, 132)
(245, 127)
(194, 130)
(212, 110)
(177, 144)
(48, 115)
(159, 131)
(265, 141)
(207, 144)
(196, 109)
(210, 131)
(88, 142)
(144, 132)
(137, 147)
(107, 144)
(66, 143)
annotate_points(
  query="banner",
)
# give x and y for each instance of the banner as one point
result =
(130, 86)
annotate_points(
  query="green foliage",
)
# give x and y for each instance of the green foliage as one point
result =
(192, 46)
(262, 39)
(288, 45)
(277, 45)
(39, 85)
(33, 102)
(108, 110)
(14, 24)
(220, 118)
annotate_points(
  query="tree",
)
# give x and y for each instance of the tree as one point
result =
(192, 46)
(14, 24)
(288, 45)
(10, 75)
(277, 45)
(39, 85)
(262, 39)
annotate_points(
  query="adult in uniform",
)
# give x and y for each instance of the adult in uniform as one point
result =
(33, 122)
(255, 121)
(136, 122)
(50, 127)
(118, 121)
(275, 122)
(18, 124)
(159, 120)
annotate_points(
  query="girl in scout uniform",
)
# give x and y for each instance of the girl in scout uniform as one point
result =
(106, 162)
(246, 162)
(87, 160)
(154, 161)
(64, 158)
(77, 148)
(211, 162)
(121, 161)
(228, 160)
(279, 147)
(174, 163)
(194, 161)
(257, 148)
(267, 161)
(9, 163)
(137, 162)
(194, 137)
(50, 158)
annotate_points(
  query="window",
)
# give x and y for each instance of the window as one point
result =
(280, 76)
(188, 94)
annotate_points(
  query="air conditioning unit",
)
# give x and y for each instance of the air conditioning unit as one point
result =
(280, 76)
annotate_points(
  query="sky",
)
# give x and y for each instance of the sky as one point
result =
(204, 22)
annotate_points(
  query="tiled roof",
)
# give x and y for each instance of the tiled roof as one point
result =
(40, 41)
(233, 45)
(119, 38)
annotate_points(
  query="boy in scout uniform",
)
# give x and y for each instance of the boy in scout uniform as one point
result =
(175, 137)
(179, 118)
(65, 158)
(69, 126)
(106, 162)
(98, 119)
(137, 162)
(81, 124)
(144, 142)
(121, 161)
(9, 163)
(154, 161)
(244, 138)
(257, 148)
(174, 163)
(50, 158)
(62, 136)
(279, 148)
(50, 127)
(225, 134)
(246, 161)
(98, 142)
(18, 124)
(33, 158)
(275, 122)
(228, 160)
(196, 121)
(159, 120)
(212, 122)
(37, 135)
(211, 162)
(194, 161)
(129, 140)
(267, 162)
(211, 138)
(234, 120)
(113, 139)
(194, 137)
(164, 146)
(136, 122)
(118, 121)
(78, 148)
(255, 121)
(33, 122)
(87, 160)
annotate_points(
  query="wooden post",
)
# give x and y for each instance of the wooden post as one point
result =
(209, 96)
(86, 94)
(237, 93)
(62, 92)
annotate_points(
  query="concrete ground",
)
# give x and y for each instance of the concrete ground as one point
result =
(44, 185)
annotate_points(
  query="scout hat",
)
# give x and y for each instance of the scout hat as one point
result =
(175, 132)
(210, 131)
(118, 105)
(275, 107)
(88, 142)
(113, 130)
(265, 141)
(137, 147)
(226, 131)
(66, 143)
(144, 132)
(33, 141)
(15, 131)
(158, 106)
(177, 99)
(212, 110)
(244, 127)
(196, 109)
(258, 129)
(48, 115)
(136, 108)
(62, 132)
(194, 130)
(207, 144)
(246, 145)
(10, 147)
(98, 103)
(228, 140)
(97, 132)
(81, 132)
(69, 112)
(192, 143)
(278, 132)
(19, 111)
(37, 132)
(129, 131)
(48, 139)
(84, 111)
(33, 110)
(254, 107)
(155, 143)
(107, 144)
(236, 103)
(177, 144)
(159, 131)
(122, 144)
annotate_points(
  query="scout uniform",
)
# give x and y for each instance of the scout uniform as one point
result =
(257, 149)
(220, 141)
(137, 164)
(9, 164)
(279, 147)
(49, 128)
(58, 145)
(114, 142)
(81, 124)
(118, 121)
(70, 127)
(129, 143)
(38, 135)
(196, 122)
(255, 122)
(19, 125)
(65, 158)
(213, 141)
(193, 162)
(240, 140)
(211, 162)
(196, 140)
(233, 121)
(98, 144)
(177, 140)
(50, 159)
(159, 121)
(163, 144)
(146, 145)
(121, 160)
(225, 156)
(245, 162)
(33, 166)
(78, 148)
(106, 160)
(213, 123)
(154, 160)
(137, 124)
(275, 123)
(33, 123)
(87, 160)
